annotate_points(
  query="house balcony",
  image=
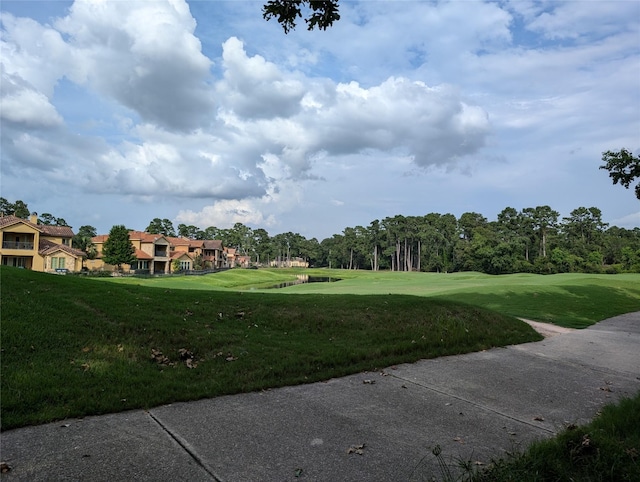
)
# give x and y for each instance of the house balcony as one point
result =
(24, 245)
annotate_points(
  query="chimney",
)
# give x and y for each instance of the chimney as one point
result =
(34, 218)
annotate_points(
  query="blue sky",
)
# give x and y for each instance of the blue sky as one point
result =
(201, 112)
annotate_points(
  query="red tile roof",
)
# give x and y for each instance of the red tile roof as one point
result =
(57, 231)
(47, 247)
(140, 255)
(180, 254)
(213, 244)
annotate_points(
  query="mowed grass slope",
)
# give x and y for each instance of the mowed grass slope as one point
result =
(75, 346)
(570, 300)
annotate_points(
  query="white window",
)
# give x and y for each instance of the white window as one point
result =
(57, 263)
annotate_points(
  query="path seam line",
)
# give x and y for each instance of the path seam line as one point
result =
(483, 407)
(186, 447)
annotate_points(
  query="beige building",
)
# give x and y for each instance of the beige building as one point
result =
(158, 254)
(289, 263)
(27, 244)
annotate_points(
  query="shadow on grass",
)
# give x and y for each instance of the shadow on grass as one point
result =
(567, 306)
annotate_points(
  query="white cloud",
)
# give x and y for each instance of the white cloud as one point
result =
(145, 56)
(255, 88)
(561, 20)
(224, 214)
(400, 108)
(629, 221)
(20, 103)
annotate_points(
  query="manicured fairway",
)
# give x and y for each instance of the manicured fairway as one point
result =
(570, 300)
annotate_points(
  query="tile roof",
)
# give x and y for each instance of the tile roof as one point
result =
(180, 254)
(9, 220)
(57, 231)
(173, 241)
(47, 247)
(142, 255)
(212, 244)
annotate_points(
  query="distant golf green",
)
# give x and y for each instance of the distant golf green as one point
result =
(569, 300)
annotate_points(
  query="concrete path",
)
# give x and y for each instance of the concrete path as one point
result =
(365, 427)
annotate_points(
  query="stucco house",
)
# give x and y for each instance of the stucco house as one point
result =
(212, 251)
(27, 244)
(157, 254)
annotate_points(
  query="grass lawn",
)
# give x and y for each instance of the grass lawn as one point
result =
(569, 300)
(75, 346)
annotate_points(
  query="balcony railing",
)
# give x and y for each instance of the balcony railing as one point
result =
(17, 245)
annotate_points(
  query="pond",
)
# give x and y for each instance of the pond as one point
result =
(303, 279)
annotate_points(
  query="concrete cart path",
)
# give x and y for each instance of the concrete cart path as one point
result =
(364, 427)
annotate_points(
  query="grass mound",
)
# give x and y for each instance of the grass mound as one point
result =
(572, 300)
(74, 346)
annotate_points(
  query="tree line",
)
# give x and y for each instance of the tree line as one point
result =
(533, 240)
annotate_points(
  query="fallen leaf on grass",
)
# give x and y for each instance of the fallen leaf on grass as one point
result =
(160, 359)
(4, 467)
(356, 449)
(368, 381)
(185, 354)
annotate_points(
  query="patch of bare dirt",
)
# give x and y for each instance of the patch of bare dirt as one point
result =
(547, 329)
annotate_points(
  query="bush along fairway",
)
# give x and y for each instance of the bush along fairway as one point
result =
(74, 346)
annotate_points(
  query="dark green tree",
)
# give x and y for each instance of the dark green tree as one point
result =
(261, 246)
(319, 13)
(213, 233)
(82, 239)
(623, 168)
(48, 219)
(19, 208)
(191, 232)
(161, 226)
(544, 220)
(118, 249)
(6, 208)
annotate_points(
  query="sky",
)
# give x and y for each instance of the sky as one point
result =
(201, 112)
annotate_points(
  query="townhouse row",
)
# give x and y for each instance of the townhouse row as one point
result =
(27, 244)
